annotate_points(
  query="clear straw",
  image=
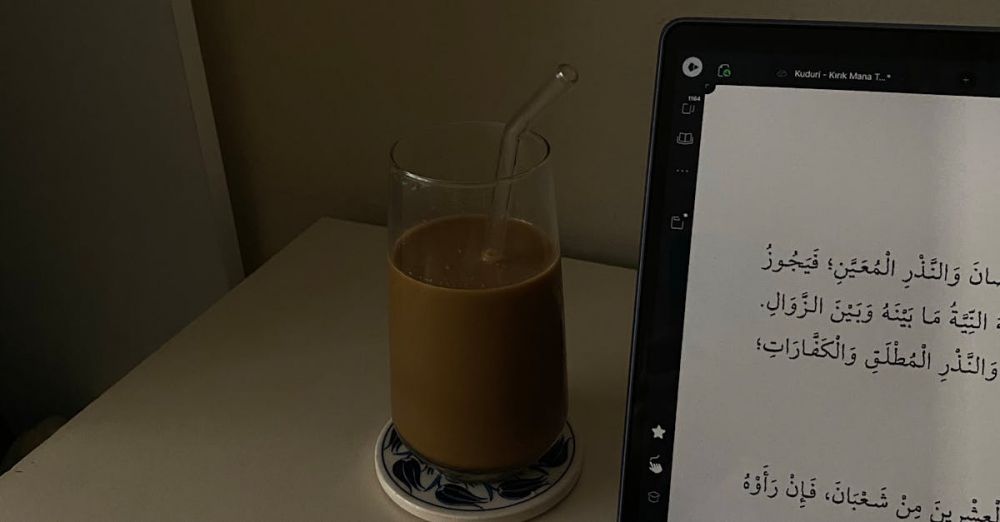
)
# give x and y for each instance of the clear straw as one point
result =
(496, 233)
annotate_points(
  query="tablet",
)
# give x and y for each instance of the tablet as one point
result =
(817, 331)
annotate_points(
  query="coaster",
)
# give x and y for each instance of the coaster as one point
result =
(421, 489)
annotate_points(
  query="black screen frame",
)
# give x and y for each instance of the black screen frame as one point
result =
(917, 59)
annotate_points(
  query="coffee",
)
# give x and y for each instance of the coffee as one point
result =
(477, 356)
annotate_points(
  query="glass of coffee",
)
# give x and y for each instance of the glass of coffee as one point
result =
(476, 343)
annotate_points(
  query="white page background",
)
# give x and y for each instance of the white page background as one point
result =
(854, 174)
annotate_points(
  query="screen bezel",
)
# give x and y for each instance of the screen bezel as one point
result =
(923, 59)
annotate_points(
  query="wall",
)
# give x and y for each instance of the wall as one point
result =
(309, 96)
(115, 229)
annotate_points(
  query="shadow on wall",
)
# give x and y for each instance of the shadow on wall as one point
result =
(12, 449)
(112, 240)
(309, 96)
(6, 437)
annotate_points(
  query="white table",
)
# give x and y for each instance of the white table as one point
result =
(267, 406)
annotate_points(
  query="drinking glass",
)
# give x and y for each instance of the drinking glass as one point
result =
(476, 340)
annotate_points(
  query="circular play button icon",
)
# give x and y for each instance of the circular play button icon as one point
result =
(691, 67)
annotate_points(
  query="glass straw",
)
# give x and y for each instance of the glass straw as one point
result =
(496, 233)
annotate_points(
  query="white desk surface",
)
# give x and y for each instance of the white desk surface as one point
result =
(267, 406)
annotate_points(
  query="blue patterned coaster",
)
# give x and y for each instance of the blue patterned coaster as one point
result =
(423, 490)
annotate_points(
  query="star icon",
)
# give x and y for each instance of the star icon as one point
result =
(658, 432)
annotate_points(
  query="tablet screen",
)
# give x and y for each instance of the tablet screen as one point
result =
(843, 306)
(837, 348)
